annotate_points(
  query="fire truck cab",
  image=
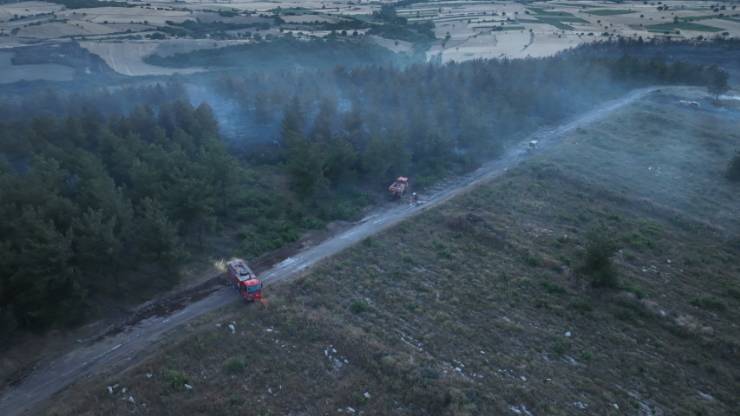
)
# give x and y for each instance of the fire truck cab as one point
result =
(243, 279)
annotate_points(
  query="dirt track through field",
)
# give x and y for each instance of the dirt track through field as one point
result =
(122, 349)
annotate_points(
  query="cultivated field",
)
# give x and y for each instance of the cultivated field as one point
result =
(462, 29)
(12, 73)
(482, 306)
(514, 30)
(127, 57)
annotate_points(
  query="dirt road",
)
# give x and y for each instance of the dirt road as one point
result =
(124, 348)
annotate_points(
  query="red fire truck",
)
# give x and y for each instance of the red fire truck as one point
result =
(243, 279)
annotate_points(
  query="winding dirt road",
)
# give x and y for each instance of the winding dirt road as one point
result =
(124, 348)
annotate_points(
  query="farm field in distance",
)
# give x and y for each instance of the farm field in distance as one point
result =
(124, 34)
(483, 305)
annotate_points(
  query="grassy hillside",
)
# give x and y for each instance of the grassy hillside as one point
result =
(482, 306)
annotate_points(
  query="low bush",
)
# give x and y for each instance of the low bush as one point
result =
(175, 379)
(234, 365)
(710, 304)
(359, 306)
(597, 263)
(553, 288)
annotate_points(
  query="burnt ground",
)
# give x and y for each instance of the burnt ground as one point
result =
(479, 306)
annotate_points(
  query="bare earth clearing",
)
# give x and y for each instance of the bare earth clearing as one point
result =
(477, 307)
(122, 348)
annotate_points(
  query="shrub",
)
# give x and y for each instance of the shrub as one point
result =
(561, 347)
(359, 306)
(597, 263)
(176, 379)
(710, 304)
(733, 169)
(235, 365)
(553, 288)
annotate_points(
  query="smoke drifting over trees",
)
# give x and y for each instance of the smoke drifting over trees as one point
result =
(100, 197)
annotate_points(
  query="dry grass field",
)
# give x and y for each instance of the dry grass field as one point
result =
(483, 305)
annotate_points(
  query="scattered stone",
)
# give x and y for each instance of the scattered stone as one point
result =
(110, 389)
(567, 334)
(131, 399)
(523, 378)
(580, 405)
(707, 397)
(367, 395)
(616, 406)
(351, 409)
(269, 390)
(269, 329)
(232, 328)
(520, 410)
(149, 375)
(123, 391)
(188, 387)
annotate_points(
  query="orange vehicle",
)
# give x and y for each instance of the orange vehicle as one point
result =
(399, 187)
(243, 279)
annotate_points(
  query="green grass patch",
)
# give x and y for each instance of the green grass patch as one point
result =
(709, 304)
(609, 12)
(542, 12)
(553, 289)
(581, 306)
(697, 18)
(559, 25)
(672, 27)
(496, 28)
